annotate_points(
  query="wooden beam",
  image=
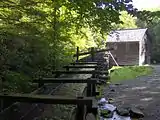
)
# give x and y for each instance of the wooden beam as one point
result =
(80, 72)
(47, 99)
(77, 55)
(83, 63)
(92, 54)
(85, 53)
(65, 80)
(104, 77)
(80, 66)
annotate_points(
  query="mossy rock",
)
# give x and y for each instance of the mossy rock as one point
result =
(123, 111)
(106, 113)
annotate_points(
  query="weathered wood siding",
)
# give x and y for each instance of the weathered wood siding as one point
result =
(126, 53)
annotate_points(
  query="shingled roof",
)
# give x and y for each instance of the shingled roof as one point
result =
(126, 35)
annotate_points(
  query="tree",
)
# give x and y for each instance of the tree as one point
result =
(128, 21)
(38, 36)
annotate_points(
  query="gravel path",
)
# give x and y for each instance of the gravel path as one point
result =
(142, 92)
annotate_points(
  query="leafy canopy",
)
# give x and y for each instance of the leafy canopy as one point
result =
(38, 36)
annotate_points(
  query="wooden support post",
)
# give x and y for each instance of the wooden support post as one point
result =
(1, 101)
(1, 105)
(67, 68)
(93, 89)
(94, 108)
(40, 84)
(57, 75)
(93, 86)
(92, 53)
(89, 90)
(77, 55)
(108, 60)
(80, 113)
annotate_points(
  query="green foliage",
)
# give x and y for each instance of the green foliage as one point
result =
(148, 15)
(128, 21)
(39, 36)
(16, 82)
(127, 73)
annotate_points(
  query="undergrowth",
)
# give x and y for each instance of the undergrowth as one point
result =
(129, 72)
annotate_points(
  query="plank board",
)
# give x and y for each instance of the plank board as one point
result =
(47, 99)
(80, 66)
(104, 77)
(80, 72)
(83, 63)
(97, 51)
(66, 80)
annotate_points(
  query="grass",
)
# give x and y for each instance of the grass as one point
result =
(129, 72)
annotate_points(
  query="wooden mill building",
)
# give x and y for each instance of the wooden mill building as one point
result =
(131, 46)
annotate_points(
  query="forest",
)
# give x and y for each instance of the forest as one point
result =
(39, 36)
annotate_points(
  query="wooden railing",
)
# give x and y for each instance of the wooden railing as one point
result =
(80, 101)
(92, 53)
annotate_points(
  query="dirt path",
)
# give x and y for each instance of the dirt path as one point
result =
(142, 92)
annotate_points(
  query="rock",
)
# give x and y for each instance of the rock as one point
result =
(102, 102)
(140, 107)
(90, 116)
(117, 84)
(111, 71)
(112, 90)
(123, 111)
(108, 82)
(110, 100)
(136, 113)
(106, 113)
(109, 107)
